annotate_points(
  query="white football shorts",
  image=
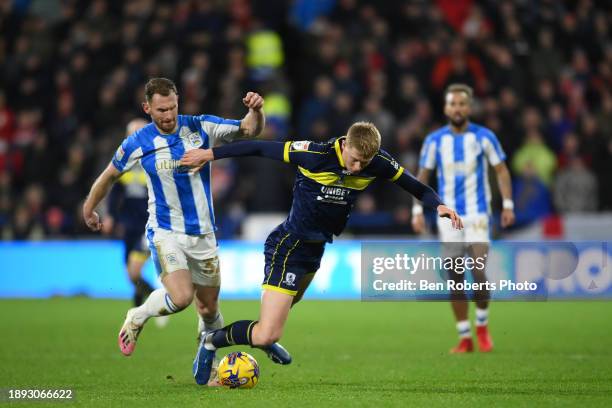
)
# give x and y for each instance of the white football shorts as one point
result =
(476, 229)
(173, 251)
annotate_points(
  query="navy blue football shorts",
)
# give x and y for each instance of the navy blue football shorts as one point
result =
(288, 259)
(134, 245)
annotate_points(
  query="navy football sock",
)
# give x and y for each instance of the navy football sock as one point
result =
(236, 333)
(142, 289)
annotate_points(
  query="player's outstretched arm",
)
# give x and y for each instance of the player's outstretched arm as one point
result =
(197, 158)
(99, 190)
(255, 120)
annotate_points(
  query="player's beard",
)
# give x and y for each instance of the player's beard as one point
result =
(166, 127)
(458, 121)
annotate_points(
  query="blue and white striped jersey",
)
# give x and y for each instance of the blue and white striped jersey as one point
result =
(461, 166)
(178, 201)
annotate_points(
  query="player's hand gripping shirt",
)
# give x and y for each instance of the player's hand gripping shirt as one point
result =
(324, 192)
(178, 200)
(461, 166)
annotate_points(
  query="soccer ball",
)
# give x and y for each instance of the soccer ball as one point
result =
(238, 370)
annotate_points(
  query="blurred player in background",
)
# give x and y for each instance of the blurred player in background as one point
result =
(460, 153)
(330, 177)
(180, 228)
(127, 217)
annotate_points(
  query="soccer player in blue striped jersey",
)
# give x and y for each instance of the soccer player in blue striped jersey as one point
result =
(181, 224)
(329, 179)
(460, 153)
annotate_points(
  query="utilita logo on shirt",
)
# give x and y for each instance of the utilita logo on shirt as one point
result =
(170, 165)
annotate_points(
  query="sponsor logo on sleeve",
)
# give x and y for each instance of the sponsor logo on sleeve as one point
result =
(301, 145)
(120, 153)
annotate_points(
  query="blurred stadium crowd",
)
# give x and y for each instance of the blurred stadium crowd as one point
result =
(73, 72)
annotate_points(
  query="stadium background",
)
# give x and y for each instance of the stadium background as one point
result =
(72, 75)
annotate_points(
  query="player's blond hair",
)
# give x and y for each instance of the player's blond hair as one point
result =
(364, 137)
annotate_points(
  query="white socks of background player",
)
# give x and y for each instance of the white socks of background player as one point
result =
(482, 317)
(464, 329)
(216, 323)
(157, 304)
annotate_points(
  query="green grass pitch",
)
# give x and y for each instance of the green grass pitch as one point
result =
(345, 354)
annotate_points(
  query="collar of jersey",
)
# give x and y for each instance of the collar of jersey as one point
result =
(339, 151)
(160, 134)
(469, 128)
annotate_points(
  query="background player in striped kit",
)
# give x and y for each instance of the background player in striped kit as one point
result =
(460, 153)
(181, 224)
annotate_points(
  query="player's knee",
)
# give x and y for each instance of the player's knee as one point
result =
(182, 299)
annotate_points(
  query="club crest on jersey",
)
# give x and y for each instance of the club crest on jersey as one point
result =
(301, 145)
(195, 139)
(190, 136)
(475, 148)
(290, 279)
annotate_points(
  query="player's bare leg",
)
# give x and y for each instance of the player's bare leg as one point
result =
(207, 307)
(179, 287)
(275, 308)
(459, 304)
(176, 295)
(209, 318)
(142, 289)
(460, 310)
(481, 297)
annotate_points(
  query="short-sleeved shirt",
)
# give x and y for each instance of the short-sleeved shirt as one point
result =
(324, 191)
(178, 200)
(460, 161)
